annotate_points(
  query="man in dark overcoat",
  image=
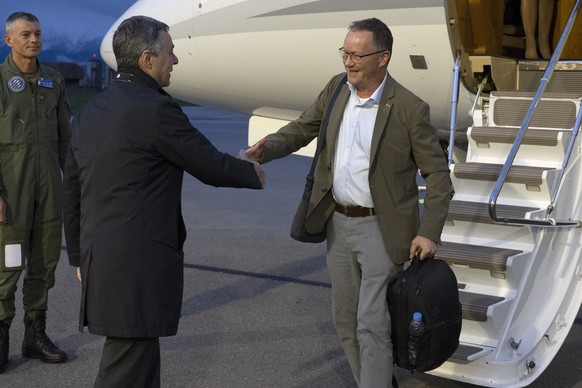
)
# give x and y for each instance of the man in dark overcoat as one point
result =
(129, 148)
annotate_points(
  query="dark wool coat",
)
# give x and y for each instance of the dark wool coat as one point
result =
(122, 204)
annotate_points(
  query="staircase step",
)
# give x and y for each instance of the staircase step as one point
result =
(554, 110)
(539, 147)
(566, 77)
(475, 306)
(479, 211)
(476, 256)
(529, 176)
(541, 137)
(466, 353)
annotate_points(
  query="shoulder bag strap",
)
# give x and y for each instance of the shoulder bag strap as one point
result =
(321, 136)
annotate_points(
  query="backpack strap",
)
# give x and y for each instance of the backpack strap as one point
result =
(323, 128)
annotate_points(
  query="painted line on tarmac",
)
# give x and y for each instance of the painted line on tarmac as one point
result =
(250, 274)
(577, 321)
(257, 275)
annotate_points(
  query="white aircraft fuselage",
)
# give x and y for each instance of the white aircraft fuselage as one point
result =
(519, 274)
(272, 58)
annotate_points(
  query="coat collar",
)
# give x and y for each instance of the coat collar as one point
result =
(137, 76)
(9, 63)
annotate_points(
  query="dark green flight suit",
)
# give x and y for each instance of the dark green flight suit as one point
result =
(34, 135)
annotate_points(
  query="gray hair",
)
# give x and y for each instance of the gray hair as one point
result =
(382, 36)
(134, 36)
(17, 16)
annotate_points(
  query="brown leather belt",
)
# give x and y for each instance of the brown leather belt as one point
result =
(355, 211)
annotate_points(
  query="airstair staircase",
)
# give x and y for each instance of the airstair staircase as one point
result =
(513, 235)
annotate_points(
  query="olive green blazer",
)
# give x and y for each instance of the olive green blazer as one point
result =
(403, 143)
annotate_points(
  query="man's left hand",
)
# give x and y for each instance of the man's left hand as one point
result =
(422, 247)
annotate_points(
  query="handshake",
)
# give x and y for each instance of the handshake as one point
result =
(253, 155)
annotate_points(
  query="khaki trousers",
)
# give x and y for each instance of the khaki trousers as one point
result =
(360, 270)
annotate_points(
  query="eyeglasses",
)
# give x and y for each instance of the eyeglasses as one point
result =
(356, 57)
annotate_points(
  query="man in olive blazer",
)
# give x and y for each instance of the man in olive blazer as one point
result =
(365, 194)
(399, 150)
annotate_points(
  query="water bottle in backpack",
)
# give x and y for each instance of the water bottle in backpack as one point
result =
(415, 330)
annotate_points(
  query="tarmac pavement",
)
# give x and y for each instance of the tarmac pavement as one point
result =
(256, 310)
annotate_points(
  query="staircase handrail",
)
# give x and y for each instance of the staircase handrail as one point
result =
(569, 148)
(524, 126)
(454, 103)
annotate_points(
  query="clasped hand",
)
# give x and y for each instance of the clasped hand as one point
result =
(244, 155)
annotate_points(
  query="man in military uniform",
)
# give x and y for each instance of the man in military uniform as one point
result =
(34, 136)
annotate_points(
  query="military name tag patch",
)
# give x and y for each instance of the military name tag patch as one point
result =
(16, 84)
(45, 83)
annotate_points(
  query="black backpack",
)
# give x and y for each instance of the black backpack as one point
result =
(429, 287)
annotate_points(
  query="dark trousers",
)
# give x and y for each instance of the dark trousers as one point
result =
(129, 362)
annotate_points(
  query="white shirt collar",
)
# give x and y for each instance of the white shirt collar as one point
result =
(375, 97)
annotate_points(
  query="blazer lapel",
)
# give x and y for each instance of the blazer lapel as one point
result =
(384, 108)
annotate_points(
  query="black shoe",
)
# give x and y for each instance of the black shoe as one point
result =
(37, 344)
(4, 343)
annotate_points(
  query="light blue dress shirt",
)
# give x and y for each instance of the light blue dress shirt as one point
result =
(352, 157)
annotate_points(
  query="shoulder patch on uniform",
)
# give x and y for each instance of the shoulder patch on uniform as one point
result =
(17, 84)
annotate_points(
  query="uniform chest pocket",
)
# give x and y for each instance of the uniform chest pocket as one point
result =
(48, 102)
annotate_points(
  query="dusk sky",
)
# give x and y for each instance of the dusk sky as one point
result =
(72, 29)
(76, 19)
